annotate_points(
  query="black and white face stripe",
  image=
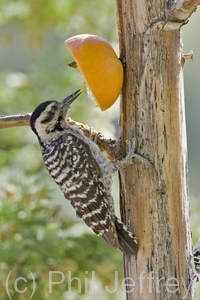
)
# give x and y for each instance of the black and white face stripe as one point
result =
(37, 113)
(49, 116)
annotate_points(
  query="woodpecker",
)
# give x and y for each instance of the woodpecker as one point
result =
(196, 253)
(81, 171)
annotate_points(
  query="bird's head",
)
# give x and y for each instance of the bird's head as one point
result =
(49, 117)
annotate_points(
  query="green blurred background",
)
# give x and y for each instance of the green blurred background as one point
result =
(38, 229)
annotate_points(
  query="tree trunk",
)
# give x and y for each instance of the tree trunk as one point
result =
(154, 192)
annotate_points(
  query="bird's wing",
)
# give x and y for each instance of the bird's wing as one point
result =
(84, 185)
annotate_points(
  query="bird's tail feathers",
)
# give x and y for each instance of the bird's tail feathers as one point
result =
(127, 240)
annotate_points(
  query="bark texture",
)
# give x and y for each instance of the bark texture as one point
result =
(154, 194)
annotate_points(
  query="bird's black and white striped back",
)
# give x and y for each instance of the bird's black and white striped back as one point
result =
(73, 167)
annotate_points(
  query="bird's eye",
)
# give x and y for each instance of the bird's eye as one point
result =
(54, 107)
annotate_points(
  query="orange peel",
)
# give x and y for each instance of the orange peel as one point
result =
(100, 66)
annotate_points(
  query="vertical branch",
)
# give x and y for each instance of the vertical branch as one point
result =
(154, 195)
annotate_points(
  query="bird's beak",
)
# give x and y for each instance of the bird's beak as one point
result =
(67, 101)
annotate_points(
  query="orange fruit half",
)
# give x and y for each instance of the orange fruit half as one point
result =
(100, 66)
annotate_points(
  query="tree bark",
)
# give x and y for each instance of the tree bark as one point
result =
(154, 194)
